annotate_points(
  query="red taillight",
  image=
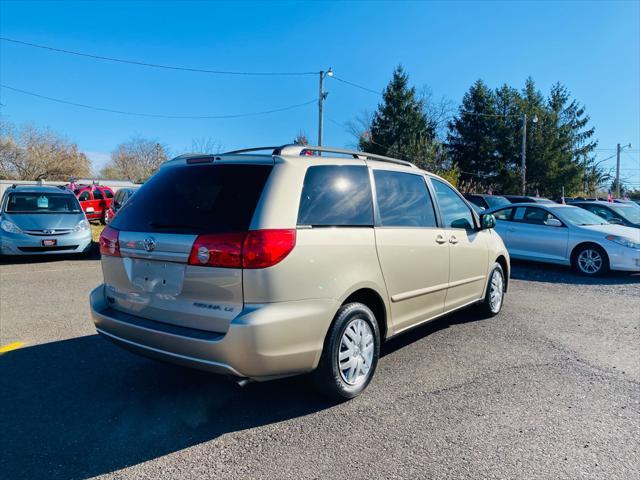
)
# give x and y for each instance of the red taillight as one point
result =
(109, 244)
(255, 249)
(264, 248)
(218, 250)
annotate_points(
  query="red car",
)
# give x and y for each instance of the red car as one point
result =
(95, 200)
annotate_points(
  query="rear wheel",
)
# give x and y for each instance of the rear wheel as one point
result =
(591, 260)
(350, 354)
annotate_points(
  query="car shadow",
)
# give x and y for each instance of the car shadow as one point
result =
(549, 273)
(78, 408)
(92, 254)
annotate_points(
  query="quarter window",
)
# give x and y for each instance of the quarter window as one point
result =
(455, 212)
(108, 193)
(336, 195)
(403, 200)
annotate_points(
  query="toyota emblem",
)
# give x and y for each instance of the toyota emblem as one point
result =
(149, 244)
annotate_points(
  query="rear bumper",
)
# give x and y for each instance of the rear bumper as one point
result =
(265, 341)
(25, 244)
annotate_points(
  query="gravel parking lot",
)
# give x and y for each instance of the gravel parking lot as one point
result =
(548, 389)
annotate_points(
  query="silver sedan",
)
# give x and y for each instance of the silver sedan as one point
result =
(567, 235)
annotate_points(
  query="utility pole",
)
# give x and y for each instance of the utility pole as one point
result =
(618, 150)
(524, 154)
(618, 171)
(322, 95)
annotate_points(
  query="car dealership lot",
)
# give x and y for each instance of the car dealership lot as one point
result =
(550, 388)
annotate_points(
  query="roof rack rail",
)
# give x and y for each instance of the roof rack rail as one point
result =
(303, 149)
(274, 150)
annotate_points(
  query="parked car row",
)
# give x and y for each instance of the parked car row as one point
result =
(619, 212)
(42, 219)
(568, 235)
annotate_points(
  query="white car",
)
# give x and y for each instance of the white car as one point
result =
(567, 235)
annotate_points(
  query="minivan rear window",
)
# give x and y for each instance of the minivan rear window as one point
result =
(195, 199)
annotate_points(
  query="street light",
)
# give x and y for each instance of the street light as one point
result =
(322, 95)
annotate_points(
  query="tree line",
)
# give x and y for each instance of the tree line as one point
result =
(480, 147)
(476, 145)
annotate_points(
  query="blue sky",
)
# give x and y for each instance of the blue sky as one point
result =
(593, 48)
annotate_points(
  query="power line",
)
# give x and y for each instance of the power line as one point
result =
(153, 65)
(153, 115)
(356, 85)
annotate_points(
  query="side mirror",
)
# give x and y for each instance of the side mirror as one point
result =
(553, 222)
(487, 221)
(90, 210)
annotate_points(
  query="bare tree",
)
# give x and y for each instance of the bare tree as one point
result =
(301, 138)
(359, 127)
(438, 111)
(29, 153)
(207, 145)
(135, 160)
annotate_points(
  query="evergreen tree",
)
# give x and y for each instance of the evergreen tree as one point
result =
(399, 127)
(485, 140)
(472, 135)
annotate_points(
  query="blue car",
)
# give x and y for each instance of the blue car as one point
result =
(42, 220)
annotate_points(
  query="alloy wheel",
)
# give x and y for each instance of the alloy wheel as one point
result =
(590, 261)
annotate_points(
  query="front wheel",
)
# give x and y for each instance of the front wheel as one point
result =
(591, 260)
(493, 299)
(350, 354)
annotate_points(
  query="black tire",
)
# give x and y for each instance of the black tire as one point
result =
(103, 217)
(582, 268)
(489, 307)
(328, 378)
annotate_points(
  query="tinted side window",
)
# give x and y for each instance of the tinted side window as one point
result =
(108, 193)
(84, 196)
(97, 194)
(403, 200)
(536, 216)
(336, 195)
(503, 214)
(454, 210)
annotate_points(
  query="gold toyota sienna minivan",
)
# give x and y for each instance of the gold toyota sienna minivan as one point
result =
(297, 260)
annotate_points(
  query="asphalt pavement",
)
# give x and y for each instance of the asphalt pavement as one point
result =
(550, 388)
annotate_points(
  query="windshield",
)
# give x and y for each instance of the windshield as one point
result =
(578, 216)
(496, 201)
(629, 212)
(23, 203)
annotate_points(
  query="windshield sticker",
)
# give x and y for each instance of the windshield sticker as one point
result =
(43, 202)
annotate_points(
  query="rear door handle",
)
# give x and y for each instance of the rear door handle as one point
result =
(453, 240)
(440, 239)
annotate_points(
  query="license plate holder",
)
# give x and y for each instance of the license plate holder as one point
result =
(49, 242)
(156, 277)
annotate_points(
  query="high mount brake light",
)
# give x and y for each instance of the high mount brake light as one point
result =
(109, 242)
(254, 249)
